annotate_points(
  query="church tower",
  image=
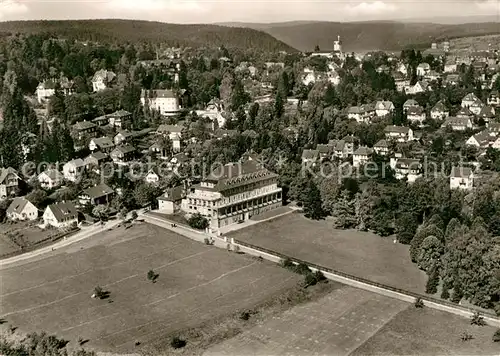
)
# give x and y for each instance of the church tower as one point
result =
(337, 45)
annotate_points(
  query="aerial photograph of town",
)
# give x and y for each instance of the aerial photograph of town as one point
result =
(236, 178)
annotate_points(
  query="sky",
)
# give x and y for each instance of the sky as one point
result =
(211, 11)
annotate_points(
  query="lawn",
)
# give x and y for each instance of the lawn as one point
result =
(429, 332)
(337, 324)
(196, 283)
(18, 235)
(360, 254)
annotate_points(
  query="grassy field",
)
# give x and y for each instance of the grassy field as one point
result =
(15, 236)
(336, 324)
(360, 254)
(429, 332)
(196, 283)
(463, 46)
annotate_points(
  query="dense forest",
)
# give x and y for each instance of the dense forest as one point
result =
(132, 31)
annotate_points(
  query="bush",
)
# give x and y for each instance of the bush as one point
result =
(432, 282)
(496, 336)
(419, 303)
(466, 336)
(134, 215)
(245, 315)
(302, 268)
(152, 276)
(197, 221)
(287, 263)
(405, 237)
(99, 292)
(177, 342)
(445, 294)
(310, 280)
(320, 277)
(477, 319)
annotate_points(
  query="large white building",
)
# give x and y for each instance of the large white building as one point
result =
(234, 192)
(165, 101)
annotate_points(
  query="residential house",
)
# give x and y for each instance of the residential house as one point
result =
(476, 107)
(461, 178)
(219, 134)
(121, 155)
(166, 101)
(102, 79)
(411, 169)
(494, 99)
(420, 87)
(50, 179)
(177, 161)
(458, 123)
(84, 129)
(450, 67)
(122, 137)
(153, 176)
(409, 104)
(174, 133)
(214, 111)
(158, 149)
(465, 113)
(487, 113)
(101, 120)
(310, 157)
(46, 89)
(233, 193)
(432, 75)
(361, 156)
(403, 69)
(469, 99)
(171, 200)
(416, 115)
(398, 133)
(73, 169)
(22, 209)
(423, 69)
(363, 113)
(9, 182)
(401, 82)
(103, 144)
(95, 160)
(341, 148)
(383, 108)
(61, 215)
(381, 148)
(452, 79)
(483, 139)
(96, 195)
(121, 119)
(439, 111)
(325, 151)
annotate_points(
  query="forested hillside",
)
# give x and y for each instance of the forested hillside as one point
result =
(145, 31)
(365, 36)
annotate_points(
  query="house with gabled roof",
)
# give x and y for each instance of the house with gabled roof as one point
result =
(153, 176)
(61, 215)
(423, 69)
(325, 151)
(361, 156)
(21, 209)
(50, 178)
(171, 200)
(123, 154)
(487, 113)
(398, 133)
(476, 107)
(84, 129)
(103, 144)
(9, 182)
(122, 137)
(483, 139)
(409, 104)
(102, 79)
(416, 115)
(411, 169)
(73, 169)
(465, 113)
(121, 119)
(166, 101)
(95, 160)
(384, 107)
(461, 178)
(440, 111)
(96, 195)
(469, 99)
(457, 123)
(310, 157)
(381, 148)
(493, 99)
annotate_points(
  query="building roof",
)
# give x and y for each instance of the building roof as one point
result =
(410, 102)
(104, 75)
(233, 175)
(470, 97)
(17, 206)
(424, 65)
(125, 133)
(158, 93)
(487, 112)
(83, 125)
(103, 142)
(399, 129)
(461, 172)
(164, 128)
(310, 154)
(174, 194)
(464, 112)
(63, 210)
(98, 191)
(363, 151)
(120, 113)
(457, 121)
(382, 144)
(53, 174)
(415, 110)
(124, 149)
(384, 105)
(99, 156)
(323, 149)
(407, 163)
(4, 172)
(77, 162)
(439, 107)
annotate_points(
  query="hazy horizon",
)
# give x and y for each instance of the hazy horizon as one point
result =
(224, 11)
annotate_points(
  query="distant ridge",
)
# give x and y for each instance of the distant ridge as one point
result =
(370, 35)
(111, 30)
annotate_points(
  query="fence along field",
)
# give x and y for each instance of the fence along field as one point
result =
(195, 283)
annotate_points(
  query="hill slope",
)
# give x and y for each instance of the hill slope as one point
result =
(364, 36)
(145, 31)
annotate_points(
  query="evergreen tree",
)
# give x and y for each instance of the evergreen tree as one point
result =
(278, 105)
(312, 202)
(432, 282)
(344, 211)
